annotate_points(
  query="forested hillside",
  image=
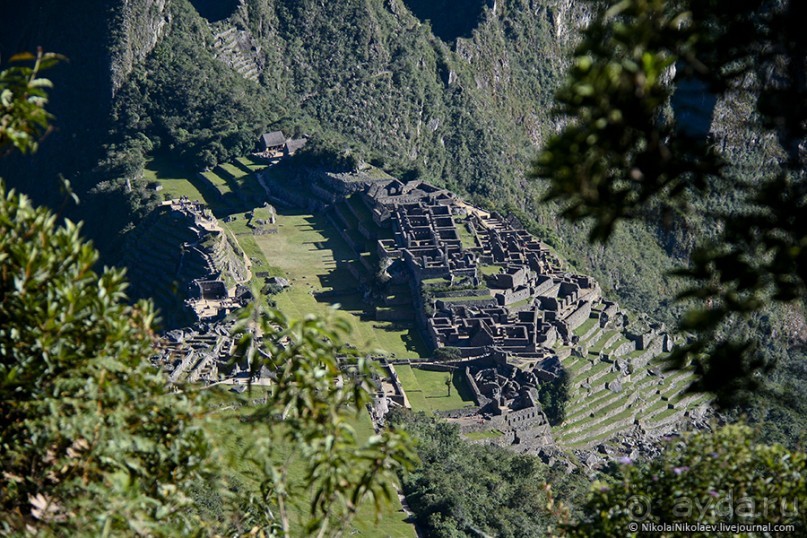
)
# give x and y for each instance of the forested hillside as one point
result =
(464, 105)
(460, 93)
(463, 100)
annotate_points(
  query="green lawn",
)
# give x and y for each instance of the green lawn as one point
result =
(264, 213)
(478, 436)
(221, 185)
(236, 172)
(466, 237)
(308, 251)
(466, 299)
(173, 178)
(427, 390)
(433, 385)
(248, 163)
(490, 269)
(229, 187)
(218, 182)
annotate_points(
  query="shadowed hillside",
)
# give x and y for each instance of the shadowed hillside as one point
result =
(215, 10)
(450, 19)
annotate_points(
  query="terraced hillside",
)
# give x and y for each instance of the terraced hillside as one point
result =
(608, 396)
(169, 250)
(461, 264)
(162, 257)
(331, 257)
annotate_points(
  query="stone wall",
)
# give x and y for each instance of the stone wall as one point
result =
(394, 314)
(579, 316)
(547, 287)
(477, 303)
(479, 398)
(511, 296)
(652, 349)
(524, 418)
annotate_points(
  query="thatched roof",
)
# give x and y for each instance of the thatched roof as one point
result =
(273, 139)
(294, 144)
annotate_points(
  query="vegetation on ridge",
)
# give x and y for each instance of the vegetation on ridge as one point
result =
(374, 84)
(621, 157)
(96, 443)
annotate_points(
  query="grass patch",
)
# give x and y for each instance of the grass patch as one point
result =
(263, 213)
(478, 436)
(308, 251)
(427, 391)
(233, 437)
(250, 164)
(173, 178)
(596, 348)
(406, 377)
(519, 304)
(466, 298)
(218, 182)
(619, 341)
(436, 394)
(585, 327)
(235, 171)
(466, 238)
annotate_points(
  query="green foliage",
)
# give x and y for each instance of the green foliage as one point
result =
(447, 354)
(325, 154)
(463, 489)
(320, 386)
(360, 75)
(23, 96)
(272, 289)
(553, 396)
(92, 440)
(627, 153)
(95, 442)
(619, 152)
(187, 102)
(709, 478)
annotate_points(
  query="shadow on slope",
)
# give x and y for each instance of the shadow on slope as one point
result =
(215, 10)
(450, 19)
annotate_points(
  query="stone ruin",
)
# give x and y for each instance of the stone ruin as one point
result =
(209, 297)
(195, 355)
(203, 354)
(485, 287)
(482, 285)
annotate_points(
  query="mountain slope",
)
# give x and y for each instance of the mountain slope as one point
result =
(368, 75)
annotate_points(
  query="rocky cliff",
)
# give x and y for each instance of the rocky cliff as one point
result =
(136, 27)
